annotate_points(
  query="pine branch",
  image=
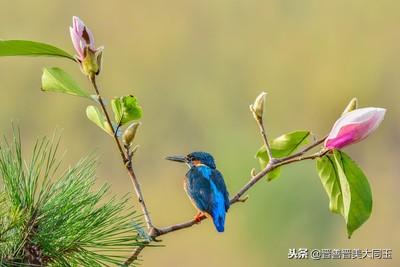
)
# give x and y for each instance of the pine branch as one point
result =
(62, 222)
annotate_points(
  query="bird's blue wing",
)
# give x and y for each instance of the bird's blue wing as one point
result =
(219, 182)
(207, 190)
(199, 189)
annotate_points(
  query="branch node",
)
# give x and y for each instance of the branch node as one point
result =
(154, 239)
(134, 149)
(127, 163)
(243, 199)
(154, 233)
(273, 161)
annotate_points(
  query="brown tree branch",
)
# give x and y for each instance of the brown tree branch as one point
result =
(238, 197)
(127, 161)
(134, 256)
(306, 149)
(126, 158)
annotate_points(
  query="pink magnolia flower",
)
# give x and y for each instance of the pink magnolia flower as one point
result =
(354, 126)
(81, 37)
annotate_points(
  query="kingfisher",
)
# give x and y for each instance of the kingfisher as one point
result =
(205, 187)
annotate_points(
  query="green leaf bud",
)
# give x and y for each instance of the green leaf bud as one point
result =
(353, 104)
(258, 106)
(129, 134)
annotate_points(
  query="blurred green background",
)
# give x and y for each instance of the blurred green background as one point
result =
(195, 67)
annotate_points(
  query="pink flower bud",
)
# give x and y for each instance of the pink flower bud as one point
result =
(81, 37)
(354, 126)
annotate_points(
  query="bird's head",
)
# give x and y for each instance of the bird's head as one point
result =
(195, 158)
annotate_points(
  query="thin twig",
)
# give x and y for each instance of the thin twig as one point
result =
(306, 149)
(103, 107)
(139, 193)
(127, 160)
(290, 160)
(134, 256)
(265, 138)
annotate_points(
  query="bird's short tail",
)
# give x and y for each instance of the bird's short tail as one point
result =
(219, 222)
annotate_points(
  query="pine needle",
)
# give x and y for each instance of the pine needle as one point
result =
(59, 220)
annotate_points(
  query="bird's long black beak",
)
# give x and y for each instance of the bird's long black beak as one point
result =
(177, 158)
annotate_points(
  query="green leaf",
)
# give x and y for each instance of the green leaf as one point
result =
(282, 146)
(126, 109)
(57, 80)
(30, 48)
(274, 173)
(347, 187)
(97, 117)
(330, 180)
(286, 144)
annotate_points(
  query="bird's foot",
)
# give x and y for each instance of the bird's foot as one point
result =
(198, 217)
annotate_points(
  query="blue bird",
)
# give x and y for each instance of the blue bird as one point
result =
(205, 186)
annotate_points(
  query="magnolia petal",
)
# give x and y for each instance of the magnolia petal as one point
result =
(347, 135)
(78, 25)
(91, 39)
(76, 42)
(82, 37)
(354, 126)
